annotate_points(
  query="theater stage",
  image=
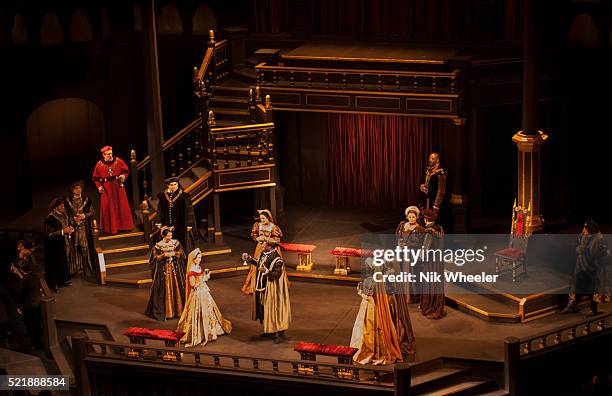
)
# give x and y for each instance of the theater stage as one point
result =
(322, 313)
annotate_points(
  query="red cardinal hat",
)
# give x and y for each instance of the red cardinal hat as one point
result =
(105, 149)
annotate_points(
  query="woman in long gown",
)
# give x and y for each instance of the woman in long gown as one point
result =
(410, 234)
(432, 297)
(265, 227)
(168, 288)
(382, 331)
(201, 320)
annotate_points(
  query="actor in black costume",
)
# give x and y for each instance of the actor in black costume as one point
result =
(433, 191)
(80, 210)
(586, 281)
(271, 304)
(58, 232)
(167, 297)
(176, 210)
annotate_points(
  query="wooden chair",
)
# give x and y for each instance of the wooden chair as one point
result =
(514, 257)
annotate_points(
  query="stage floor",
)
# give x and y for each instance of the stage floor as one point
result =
(322, 313)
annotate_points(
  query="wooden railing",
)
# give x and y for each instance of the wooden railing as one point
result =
(357, 79)
(242, 145)
(376, 376)
(586, 337)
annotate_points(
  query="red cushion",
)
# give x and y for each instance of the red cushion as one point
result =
(155, 334)
(298, 247)
(353, 252)
(510, 252)
(322, 349)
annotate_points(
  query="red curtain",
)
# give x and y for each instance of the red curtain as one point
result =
(377, 161)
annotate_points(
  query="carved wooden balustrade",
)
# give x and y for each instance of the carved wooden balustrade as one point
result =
(582, 340)
(243, 145)
(378, 376)
(357, 79)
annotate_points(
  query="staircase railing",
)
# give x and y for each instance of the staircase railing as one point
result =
(180, 153)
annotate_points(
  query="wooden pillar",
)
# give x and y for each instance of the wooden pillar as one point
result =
(273, 202)
(459, 196)
(79, 349)
(155, 134)
(401, 379)
(529, 141)
(47, 305)
(512, 356)
(217, 219)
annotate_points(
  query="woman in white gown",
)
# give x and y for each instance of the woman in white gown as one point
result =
(201, 320)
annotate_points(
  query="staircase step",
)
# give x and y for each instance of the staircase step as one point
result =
(125, 253)
(251, 61)
(231, 114)
(245, 73)
(226, 123)
(132, 279)
(120, 239)
(499, 392)
(233, 90)
(129, 268)
(465, 388)
(437, 378)
(127, 264)
(199, 171)
(187, 180)
(230, 102)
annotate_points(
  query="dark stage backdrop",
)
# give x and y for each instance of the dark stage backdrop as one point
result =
(377, 161)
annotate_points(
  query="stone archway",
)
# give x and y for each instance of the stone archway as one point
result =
(64, 136)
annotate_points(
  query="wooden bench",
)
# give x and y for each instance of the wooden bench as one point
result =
(310, 350)
(342, 258)
(304, 253)
(139, 335)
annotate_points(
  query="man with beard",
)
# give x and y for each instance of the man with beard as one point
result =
(433, 190)
(591, 252)
(80, 210)
(58, 235)
(271, 305)
(176, 210)
(109, 175)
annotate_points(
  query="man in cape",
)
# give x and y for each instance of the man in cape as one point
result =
(271, 304)
(58, 247)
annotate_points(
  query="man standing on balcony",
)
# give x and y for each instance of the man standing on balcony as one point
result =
(109, 175)
(176, 210)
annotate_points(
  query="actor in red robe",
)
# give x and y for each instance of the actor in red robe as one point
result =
(109, 175)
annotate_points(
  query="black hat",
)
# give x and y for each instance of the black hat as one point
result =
(55, 203)
(591, 226)
(171, 180)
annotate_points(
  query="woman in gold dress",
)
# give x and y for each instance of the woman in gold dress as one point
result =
(265, 227)
(168, 287)
(382, 331)
(201, 320)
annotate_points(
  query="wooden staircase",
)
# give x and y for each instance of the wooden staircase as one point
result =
(447, 376)
(229, 146)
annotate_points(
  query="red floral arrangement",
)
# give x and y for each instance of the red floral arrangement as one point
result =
(156, 334)
(322, 349)
(298, 247)
(352, 252)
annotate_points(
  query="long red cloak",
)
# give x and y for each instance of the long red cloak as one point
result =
(115, 213)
